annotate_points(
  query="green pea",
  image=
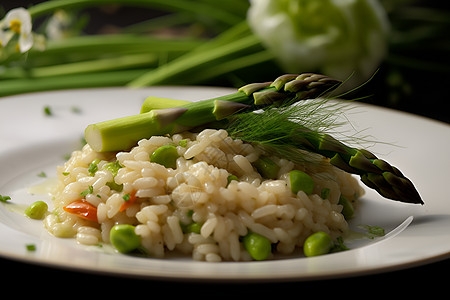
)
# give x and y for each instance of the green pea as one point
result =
(193, 227)
(165, 155)
(258, 246)
(318, 243)
(231, 177)
(36, 210)
(300, 181)
(124, 238)
(347, 207)
(267, 167)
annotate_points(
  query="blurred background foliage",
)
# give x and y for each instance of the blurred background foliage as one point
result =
(207, 42)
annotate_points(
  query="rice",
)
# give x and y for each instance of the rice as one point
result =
(197, 191)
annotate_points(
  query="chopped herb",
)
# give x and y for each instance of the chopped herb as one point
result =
(4, 198)
(93, 167)
(98, 196)
(373, 231)
(65, 173)
(126, 197)
(183, 143)
(325, 193)
(48, 111)
(339, 245)
(75, 110)
(31, 247)
(42, 174)
(114, 186)
(113, 167)
(89, 190)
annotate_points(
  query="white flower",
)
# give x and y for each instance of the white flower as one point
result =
(336, 37)
(5, 36)
(18, 21)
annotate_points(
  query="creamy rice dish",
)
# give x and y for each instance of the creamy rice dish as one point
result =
(211, 196)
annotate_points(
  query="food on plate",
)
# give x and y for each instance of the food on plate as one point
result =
(246, 176)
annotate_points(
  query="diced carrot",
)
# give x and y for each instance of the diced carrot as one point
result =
(131, 199)
(82, 209)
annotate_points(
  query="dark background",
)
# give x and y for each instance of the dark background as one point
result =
(421, 91)
(414, 78)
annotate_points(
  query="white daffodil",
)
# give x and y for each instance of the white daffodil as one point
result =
(18, 21)
(336, 37)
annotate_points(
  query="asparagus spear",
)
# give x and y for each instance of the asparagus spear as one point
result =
(375, 173)
(124, 133)
(167, 118)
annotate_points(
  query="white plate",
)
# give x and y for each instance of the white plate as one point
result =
(32, 142)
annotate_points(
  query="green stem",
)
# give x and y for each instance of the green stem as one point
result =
(97, 65)
(195, 59)
(229, 66)
(99, 79)
(111, 135)
(117, 43)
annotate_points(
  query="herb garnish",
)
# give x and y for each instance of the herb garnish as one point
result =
(4, 198)
(48, 111)
(31, 247)
(373, 231)
(89, 190)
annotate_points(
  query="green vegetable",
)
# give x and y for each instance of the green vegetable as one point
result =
(347, 207)
(87, 191)
(373, 231)
(339, 245)
(258, 246)
(299, 133)
(267, 167)
(48, 111)
(123, 133)
(36, 210)
(231, 177)
(325, 193)
(152, 103)
(126, 197)
(124, 238)
(300, 181)
(318, 243)
(192, 227)
(113, 167)
(114, 186)
(165, 155)
(4, 198)
(93, 167)
(30, 247)
(183, 143)
(282, 129)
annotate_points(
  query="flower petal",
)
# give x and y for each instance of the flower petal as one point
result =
(23, 16)
(25, 42)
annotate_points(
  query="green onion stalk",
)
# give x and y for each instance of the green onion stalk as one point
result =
(161, 116)
(139, 56)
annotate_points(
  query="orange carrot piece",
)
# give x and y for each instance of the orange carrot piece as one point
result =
(82, 209)
(131, 200)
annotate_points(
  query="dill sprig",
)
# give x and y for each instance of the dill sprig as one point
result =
(302, 133)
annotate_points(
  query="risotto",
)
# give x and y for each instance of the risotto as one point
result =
(204, 204)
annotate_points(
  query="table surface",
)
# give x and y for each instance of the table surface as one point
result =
(429, 278)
